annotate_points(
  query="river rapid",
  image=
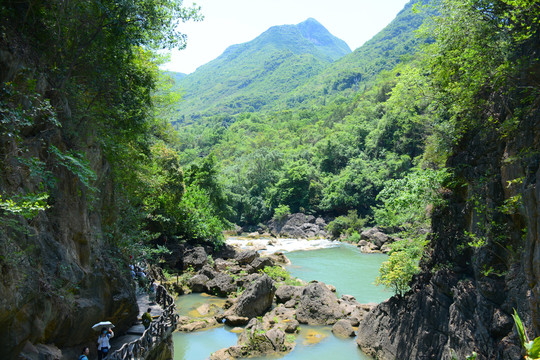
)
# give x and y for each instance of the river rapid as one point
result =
(331, 262)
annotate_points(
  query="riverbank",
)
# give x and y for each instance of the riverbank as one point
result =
(284, 306)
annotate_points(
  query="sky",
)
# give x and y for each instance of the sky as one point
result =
(229, 22)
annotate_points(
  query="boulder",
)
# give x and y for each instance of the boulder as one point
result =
(291, 231)
(277, 338)
(283, 318)
(246, 257)
(235, 320)
(198, 325)
(259, 264)
(320, 223)
(222, 265)
(197, 283)
(343, 328)
(244, 281)
(226, 252)
(256, 299)
(287, 292)
(280, 258)
(318, 305)
(297, 226)
(208, 272)
(221, 285)
(386, 248)
(195, 257)
(375, 236)
(369, 248)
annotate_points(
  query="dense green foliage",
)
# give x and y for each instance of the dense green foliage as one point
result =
(331, 157)
(368, 137)
(479, 85)
(94, 86)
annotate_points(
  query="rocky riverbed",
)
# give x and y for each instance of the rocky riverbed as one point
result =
(266, 307)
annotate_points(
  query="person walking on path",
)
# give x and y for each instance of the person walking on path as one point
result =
(84, 354)
(103, 345)
(147, 319)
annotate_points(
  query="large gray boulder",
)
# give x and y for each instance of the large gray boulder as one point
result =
(246, 257)
(259, 264)
(375, 236)
(287, 292)
(343, 328)
(256, 299)
(208, 272)
(195, 257)
(318, 305)
(221, 285)
(298, 226)
(197, 283)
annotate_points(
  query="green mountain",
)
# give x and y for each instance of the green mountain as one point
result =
(253, 75)
(351, 73)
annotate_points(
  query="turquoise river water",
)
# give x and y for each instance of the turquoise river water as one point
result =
(343, 266)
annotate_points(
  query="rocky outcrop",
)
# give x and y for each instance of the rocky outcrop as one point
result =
(264, 337)
(221, 285)
(464, 297)
(299, 226)
(286, 293)
(374, 240)
(60, 270)
(246, 257)
(255, 300)
(267, 328)
(318, 305)
(195, 258)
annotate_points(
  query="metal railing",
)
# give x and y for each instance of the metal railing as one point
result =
(156, 332)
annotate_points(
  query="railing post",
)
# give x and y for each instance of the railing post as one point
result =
(159, 329)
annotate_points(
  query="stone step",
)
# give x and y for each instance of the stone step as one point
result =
(136, 330)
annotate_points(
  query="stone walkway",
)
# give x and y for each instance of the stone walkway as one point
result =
(136, 331)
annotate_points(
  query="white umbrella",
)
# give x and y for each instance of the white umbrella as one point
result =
(103, 324)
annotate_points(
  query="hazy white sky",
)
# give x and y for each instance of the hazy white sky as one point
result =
(229, 22)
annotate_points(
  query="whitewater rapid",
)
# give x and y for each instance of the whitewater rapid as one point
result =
(272, 245)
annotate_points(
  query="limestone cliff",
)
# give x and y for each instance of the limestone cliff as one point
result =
(464, 297)
(58, 273)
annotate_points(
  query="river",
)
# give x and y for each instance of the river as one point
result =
(341, 265)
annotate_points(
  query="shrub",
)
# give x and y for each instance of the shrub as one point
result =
(354, 237)
(397, 272)
(281, 212)
(347, 225)
(279, 274)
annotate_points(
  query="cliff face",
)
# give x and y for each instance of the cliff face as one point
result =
(464, 297)
(58, 274)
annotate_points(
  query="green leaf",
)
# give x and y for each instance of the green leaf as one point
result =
(520, 329)
(534, 352)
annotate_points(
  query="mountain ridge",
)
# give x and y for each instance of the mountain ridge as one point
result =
(259, 67)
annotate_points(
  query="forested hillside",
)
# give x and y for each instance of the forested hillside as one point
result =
(89, 177)
(253, 76)
(328, 158)
(433, 134)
